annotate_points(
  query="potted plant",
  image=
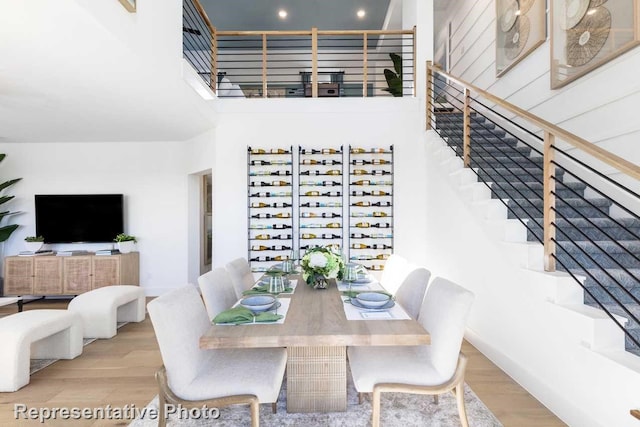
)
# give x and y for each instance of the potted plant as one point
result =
(126, 243)
(34, 243)
(394, 79)
(6, 230)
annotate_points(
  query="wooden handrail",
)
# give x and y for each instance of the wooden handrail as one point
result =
(599, 153)
(635, 413)
(204, 15)
(320, 32)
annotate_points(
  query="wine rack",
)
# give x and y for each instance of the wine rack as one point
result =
(320, 193)
(270, 206)
(370, 206)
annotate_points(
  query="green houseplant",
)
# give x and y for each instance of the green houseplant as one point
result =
(126, 243)
(6, 230)
(320, 264)
(394, 79)
(34, 243)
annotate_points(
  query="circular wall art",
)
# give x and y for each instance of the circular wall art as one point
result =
(525, 5)
(574, 11)
(586, 39)
(509, 16)
(516, 38)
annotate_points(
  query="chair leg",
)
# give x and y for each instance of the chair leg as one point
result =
(254, 407)
(360, 398)
(274, 407)
(375, 409)
(162, 416)
(461, 409)
(436, 399)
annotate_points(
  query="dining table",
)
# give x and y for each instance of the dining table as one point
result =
(316, 333)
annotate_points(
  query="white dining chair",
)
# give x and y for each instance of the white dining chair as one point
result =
(217, 291)
(411, 292)
(193, 377)
(431, 369)
(241, 275)
(395, 270)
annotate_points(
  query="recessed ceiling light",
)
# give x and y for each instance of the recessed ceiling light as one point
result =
(361, 13)
(282, 13)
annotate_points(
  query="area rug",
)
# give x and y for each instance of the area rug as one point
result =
(40, 364)
(398, 409)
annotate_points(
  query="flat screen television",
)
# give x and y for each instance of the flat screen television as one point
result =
(79, 218)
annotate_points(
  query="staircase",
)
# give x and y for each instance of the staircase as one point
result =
(591, 244)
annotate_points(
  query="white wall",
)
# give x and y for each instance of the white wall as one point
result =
(316, 123)
(599, 107)
(152, 177)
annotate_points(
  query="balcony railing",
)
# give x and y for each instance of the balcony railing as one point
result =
(298, 64)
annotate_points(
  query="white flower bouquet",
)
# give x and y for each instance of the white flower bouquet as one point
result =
(320, 264)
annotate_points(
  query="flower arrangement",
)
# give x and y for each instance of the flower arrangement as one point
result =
(319, 264)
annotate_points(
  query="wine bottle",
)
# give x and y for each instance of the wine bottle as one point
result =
(259, 248)
(260, 163)
(278, 151)
(380, 172)
(382, 256)
(308, 236)
(331, 183)
(281, 205)
(363, 225)
(309, 215)
(282, 237)
(360, 172)
(357, 150)
(379, 214)
(258, 151)
(332, 193)
(333, 172)
(358, 214)
(259, 184)
(359, 246)
(361, 203)
(360, 236)
(259, 205)
(263, 237)
(331, 205)
(279, 183)
(360, 162)
(280, 248)
(278, 162)
(360, 193)
(309, 173)
(283, 215)
(280, 226)
(381, 204)
(312, 193)
(377, 150)
(381, 225)
(379, 193)
(279, 258)
(361, 182)
(381, 246)
(329, 151)
(260, 259)
(379, 162)
(376, 267)
(261, 215)
(331, 236)
(380, 236)
(310, 162)
(333, 225)
(259, 226)
(330, 215)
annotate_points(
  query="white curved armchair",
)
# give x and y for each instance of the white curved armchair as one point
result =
(241, 275)
(433, 369)
(217, 291)
(193, 377)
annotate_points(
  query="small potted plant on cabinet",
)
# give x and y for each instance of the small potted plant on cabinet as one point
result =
(34, 243)
(126, 243)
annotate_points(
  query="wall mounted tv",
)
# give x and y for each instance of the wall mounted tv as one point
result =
(79, 218)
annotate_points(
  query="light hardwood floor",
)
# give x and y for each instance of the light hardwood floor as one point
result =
(119, 372)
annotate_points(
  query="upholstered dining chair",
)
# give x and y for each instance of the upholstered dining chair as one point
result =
(193, 377)
(241, 276)
(394, 273)
(411, 292)
(217, 291)
(431, 369)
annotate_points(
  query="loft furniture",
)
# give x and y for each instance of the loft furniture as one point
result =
(101, 309)
(270, 206)
(193, 377)
(38, 334)
(68, 275)
(434, 369)
(316, 333)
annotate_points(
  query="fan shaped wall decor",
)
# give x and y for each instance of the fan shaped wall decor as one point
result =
(521, 26)
(586, 34)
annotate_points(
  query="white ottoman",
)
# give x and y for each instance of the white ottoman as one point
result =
(37, 334)
(101, 309)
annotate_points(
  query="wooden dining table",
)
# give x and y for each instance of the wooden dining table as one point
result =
(316, 334)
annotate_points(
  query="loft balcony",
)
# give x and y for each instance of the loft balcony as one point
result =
(309, 63)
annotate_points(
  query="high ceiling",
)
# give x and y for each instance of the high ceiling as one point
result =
(301, 14)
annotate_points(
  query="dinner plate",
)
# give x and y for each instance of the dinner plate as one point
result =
(359, 306)
(362, 280)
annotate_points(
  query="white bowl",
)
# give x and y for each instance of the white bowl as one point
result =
(372, 299)
(258, 302)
